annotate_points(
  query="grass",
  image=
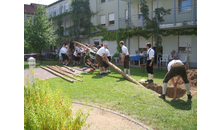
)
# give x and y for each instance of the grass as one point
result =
(114, 92)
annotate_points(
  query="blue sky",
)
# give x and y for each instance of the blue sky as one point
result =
(45, 2)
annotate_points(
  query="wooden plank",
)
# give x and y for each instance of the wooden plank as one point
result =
(57, 74)
(71, 69)
(62, 72)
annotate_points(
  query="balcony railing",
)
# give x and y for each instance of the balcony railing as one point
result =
(176, 18)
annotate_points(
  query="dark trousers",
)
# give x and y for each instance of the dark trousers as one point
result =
(176, 69)
(149, 68)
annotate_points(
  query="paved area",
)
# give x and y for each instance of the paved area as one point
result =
(43, 74)
(100, 119)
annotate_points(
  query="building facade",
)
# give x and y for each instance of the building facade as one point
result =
(183, 16)
(116, 14)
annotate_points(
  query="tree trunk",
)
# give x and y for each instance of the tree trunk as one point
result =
(40, 58)
(114, 67)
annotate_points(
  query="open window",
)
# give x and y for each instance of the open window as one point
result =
(103, 20)
(111, 18)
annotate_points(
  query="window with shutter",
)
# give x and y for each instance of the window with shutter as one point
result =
(111, 19)
(126, 14)
(67, 7)
(185, 5)
(139, 11)
(54, 11)
(103, 20)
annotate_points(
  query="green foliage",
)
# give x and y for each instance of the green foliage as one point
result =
(114, 56)
(45, 108)
(39, 34)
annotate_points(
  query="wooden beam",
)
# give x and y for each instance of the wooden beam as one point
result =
(62, 72)
(57, 74)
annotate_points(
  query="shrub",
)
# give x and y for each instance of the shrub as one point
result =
(45, 108)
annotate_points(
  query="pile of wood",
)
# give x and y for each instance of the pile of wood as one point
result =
(62, 72)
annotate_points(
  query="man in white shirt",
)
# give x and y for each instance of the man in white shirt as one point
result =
(63, 51)
(109, 58)
(101, 53)
(126, 58)
(175, 67)
(150, 62)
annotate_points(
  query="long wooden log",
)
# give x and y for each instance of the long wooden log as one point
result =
(69, 71)
(122, 72)
(114, 67)
(62, 72)
(73, 70)
(64, 69)
(57, 74)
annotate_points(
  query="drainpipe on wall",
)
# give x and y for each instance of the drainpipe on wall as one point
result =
(118, 16)
(129, 13)
(174, 13)
(142, 18)
(194, 12)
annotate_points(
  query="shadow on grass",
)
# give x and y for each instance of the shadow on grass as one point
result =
(180, 104)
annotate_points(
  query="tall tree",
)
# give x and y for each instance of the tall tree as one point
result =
(39, 34)
(81, 15)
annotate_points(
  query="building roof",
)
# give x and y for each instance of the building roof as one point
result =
(54, 3)
(31, 8)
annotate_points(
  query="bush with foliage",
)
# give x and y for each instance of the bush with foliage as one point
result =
(45, 108)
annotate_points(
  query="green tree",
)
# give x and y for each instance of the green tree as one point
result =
(81, 15)
(39, 34)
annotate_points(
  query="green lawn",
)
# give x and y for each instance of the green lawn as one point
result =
(114, 92)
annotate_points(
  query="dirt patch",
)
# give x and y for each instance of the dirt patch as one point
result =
(170, 90)
(192, 77)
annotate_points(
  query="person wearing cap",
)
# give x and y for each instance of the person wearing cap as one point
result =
(175, 67)
(101, 53)
(126, 58)
(150, 61)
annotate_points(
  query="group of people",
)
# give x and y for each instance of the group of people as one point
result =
(175, 67)
(65, 54)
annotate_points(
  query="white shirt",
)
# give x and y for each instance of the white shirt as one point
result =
(95, 49)
(107, 52)
(75, 54)
(172, 62)
(150, 54)
(124, 50)
(78, 49)
(101, 51)
(63, 50)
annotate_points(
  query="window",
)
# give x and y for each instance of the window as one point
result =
(183, 40)
(126, 14)
(139, 11)
(102, 1)
(185, 5)
(111, 19)
(28, 18)
(103, 20)
(67, 7)
(61, 9)
(50, 12)
(54, 11)
(110, 0)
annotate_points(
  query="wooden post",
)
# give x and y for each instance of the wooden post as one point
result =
(57, 74)
(62, 72)
(114, 67)
(187, 61)
(69, 71)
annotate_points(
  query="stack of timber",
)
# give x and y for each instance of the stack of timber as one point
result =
(59, 71)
